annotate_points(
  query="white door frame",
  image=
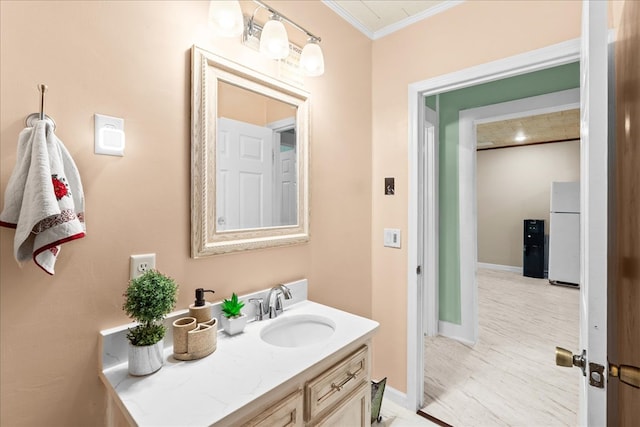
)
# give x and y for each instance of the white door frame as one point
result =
(428, 219)
(559, 54)
(594, 176)
(552, 102)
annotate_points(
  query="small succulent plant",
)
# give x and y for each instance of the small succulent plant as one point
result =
(232, 307)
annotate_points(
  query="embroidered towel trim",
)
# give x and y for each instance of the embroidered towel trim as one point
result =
(44, 200)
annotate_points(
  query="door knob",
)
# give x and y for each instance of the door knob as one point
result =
(567, 359)
(629, 375)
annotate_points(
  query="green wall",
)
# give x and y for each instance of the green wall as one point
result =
(450, 103)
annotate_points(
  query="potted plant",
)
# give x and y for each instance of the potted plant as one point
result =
(148, 299)
(232, 320)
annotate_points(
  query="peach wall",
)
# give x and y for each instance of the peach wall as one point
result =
(472, 33)
(132, 60)
(250, 107)
(242, 105)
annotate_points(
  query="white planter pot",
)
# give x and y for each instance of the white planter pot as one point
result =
(235, 325)
(146, 359)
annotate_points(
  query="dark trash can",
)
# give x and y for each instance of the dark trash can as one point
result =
(377, 390)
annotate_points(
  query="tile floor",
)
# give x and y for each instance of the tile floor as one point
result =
(509, 377)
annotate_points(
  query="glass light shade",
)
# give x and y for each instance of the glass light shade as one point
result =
(273, 40)
(225, 18)
(311, 59)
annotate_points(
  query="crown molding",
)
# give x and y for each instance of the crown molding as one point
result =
(342, 12)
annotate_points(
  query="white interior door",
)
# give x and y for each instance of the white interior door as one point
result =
(287, 187)
(244, 187)
(593, 204)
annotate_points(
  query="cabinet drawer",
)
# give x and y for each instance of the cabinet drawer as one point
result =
(285, 413)
(355, 411)
(336, 383)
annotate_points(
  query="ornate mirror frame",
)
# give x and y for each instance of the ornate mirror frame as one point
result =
(207, 70)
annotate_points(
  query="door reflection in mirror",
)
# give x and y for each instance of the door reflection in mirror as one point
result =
(256, 160)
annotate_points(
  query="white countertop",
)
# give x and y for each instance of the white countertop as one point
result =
(243, 368)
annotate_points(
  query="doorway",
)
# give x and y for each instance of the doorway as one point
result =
(285, 184)
(541, 59)
(473, 380)
(594, 179)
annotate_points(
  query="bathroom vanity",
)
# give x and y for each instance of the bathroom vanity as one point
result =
(332, 393)
(308, 367)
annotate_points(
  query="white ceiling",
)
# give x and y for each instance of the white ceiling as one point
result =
(377, 18)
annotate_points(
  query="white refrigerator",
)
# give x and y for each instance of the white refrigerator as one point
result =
(564, 234)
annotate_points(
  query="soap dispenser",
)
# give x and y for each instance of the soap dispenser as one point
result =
(201, 309)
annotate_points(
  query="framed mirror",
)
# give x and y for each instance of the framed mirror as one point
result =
(249, 158)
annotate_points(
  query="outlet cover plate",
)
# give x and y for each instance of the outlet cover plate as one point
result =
(141, 263)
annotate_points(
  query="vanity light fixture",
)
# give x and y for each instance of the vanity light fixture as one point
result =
(311, 59)
(225, 18)
(274, 42)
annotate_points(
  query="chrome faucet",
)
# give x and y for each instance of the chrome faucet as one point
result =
(273, 305)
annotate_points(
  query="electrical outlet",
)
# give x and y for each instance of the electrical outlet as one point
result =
(141, 263)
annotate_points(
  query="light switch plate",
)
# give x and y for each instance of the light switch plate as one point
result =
(389, 186)
(392, 237)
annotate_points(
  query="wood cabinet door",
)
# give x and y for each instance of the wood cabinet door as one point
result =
(285, 413)
(353, 411)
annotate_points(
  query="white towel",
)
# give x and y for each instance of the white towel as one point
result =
(44, 200)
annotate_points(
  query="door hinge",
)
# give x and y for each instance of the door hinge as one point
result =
(419, 269)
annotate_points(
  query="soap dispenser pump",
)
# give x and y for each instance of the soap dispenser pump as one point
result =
(201, 309)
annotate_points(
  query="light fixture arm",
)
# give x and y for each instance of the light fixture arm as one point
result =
(284, 18)
(251, 22)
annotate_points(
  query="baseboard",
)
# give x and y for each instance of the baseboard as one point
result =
(455, 332)
(396, 396)
(500, 267)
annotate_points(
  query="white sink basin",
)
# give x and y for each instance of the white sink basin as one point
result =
(298, 330)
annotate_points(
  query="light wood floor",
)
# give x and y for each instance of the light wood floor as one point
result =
(509, 377)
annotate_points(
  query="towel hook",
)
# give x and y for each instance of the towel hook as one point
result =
(41, 115)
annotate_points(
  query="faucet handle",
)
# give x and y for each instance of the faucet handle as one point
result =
(259, 310)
